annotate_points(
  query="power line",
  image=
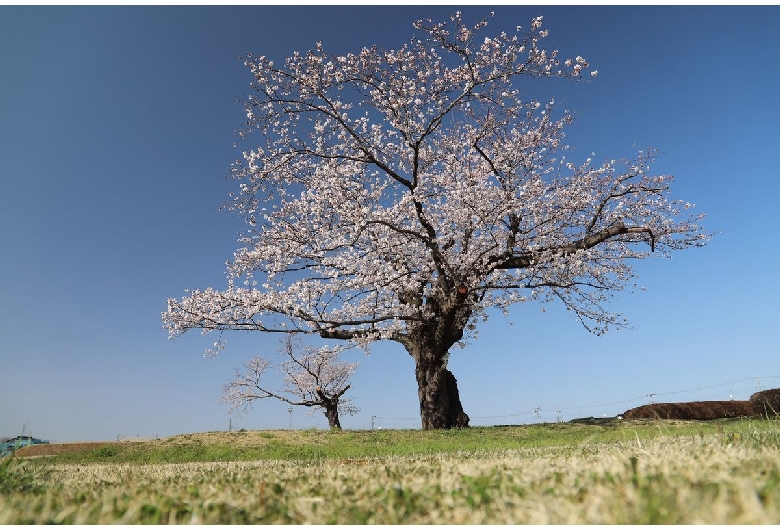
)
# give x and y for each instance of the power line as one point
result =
(536, 412)
(653, 394)
(706, 387)
(605, 404)
(503, 415)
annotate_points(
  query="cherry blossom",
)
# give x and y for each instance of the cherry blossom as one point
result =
(401, 194)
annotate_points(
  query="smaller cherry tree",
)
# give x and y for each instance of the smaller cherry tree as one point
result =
(313, 377)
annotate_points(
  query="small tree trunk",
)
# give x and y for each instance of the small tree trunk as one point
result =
(440, 406)
(332, 413)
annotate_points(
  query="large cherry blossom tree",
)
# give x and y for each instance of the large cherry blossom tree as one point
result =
(402, 194)
(312, 378)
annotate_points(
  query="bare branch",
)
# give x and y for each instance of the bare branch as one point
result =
(527, 259)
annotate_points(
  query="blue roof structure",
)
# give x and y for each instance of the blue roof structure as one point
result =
(9, 445)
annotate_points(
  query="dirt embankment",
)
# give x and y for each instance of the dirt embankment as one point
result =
(764, 404)
(58, 449)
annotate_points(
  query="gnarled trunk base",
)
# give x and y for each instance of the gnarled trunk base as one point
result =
(440, 406)
(332, 413)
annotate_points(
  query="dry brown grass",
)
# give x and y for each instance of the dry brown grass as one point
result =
(711, 479)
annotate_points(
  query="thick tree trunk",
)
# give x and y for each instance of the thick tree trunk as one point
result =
(429, 342)
(440, 406)
(332, 413)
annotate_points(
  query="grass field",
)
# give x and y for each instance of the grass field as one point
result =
(630, 472)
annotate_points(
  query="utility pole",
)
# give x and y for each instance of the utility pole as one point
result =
(538, 414)
(289, 411)
(650, 398)
(372, 422)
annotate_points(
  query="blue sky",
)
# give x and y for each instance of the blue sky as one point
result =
(116, 135)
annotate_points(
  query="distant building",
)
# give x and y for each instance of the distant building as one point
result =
(8, 445)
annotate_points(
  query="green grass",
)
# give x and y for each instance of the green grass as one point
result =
(25, 476)
(308, 445)
(725, 472)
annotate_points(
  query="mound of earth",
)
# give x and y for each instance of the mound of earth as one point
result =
(761, 404)
(57, 449)
(695, 410)
(766, 403)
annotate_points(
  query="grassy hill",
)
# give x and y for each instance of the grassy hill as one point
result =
(315, 444)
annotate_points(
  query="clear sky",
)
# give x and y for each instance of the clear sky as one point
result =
(116, 135)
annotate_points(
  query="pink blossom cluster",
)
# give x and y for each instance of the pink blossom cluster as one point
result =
(384, 179)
